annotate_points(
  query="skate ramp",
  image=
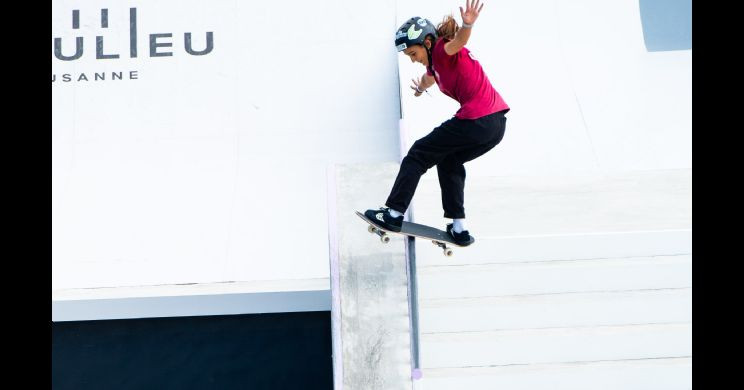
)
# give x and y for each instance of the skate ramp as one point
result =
(580, 276)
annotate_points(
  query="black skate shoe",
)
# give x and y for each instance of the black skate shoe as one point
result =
(463, 238)
(383, 218)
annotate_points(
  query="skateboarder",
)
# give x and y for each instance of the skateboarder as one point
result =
(475, 129)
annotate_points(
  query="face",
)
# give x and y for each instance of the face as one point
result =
(417, 53)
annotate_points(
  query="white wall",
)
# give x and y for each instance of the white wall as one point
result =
(213, 168)
(585, 95)
(187, 174)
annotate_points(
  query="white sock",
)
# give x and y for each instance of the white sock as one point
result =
(458, 225)
(395, 214)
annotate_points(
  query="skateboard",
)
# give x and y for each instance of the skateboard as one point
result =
(437, 237)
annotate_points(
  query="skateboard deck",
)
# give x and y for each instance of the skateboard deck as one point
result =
(436, 236)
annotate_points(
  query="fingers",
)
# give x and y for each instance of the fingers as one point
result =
(462, 13)
(474, 5)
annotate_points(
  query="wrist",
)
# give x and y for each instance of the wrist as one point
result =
(419, 90)
(466, 25)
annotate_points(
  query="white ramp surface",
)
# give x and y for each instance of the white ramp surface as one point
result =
(572, 283)
(580, 275)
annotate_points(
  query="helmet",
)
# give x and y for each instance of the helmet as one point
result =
(413, 32)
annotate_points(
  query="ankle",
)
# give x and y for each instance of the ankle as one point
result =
(458, 225)
(394, 213)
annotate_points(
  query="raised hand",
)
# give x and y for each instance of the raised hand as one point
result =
(471, 12)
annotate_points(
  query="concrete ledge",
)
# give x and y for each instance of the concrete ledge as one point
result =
(639, 374)
(370, 311)
(279, 296)
(555, 277)
(556, 310)
(557, 345)
(577, 246)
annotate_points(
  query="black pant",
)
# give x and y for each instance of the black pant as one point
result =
(448, 146)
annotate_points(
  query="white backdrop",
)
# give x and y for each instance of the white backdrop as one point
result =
(193, 172)
(213, 168)
(585, 95)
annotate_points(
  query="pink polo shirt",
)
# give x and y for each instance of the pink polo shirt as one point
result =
(461, 77)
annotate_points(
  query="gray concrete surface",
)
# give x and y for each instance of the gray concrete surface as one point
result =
(369, 285)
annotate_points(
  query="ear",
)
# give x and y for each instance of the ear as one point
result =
(427, 42)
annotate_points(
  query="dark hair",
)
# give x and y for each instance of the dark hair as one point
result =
(447, 28)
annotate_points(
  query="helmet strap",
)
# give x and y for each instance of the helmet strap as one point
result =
(428, 55)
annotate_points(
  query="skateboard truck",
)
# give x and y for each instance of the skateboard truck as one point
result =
(447, 250)
(383, 234)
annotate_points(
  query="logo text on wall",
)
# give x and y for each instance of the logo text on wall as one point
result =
(159, 45)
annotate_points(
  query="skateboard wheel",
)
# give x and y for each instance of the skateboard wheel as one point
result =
(371, 229)
(385, 239)
(448, 252)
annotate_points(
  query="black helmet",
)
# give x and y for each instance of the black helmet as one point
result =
(413, 32)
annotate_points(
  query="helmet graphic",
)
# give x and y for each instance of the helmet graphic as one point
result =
(413, 32)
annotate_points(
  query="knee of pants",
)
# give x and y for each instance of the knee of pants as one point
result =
(450, 166)
(417, 159)
(411, 163)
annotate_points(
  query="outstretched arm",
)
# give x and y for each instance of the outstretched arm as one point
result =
(469, 15)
